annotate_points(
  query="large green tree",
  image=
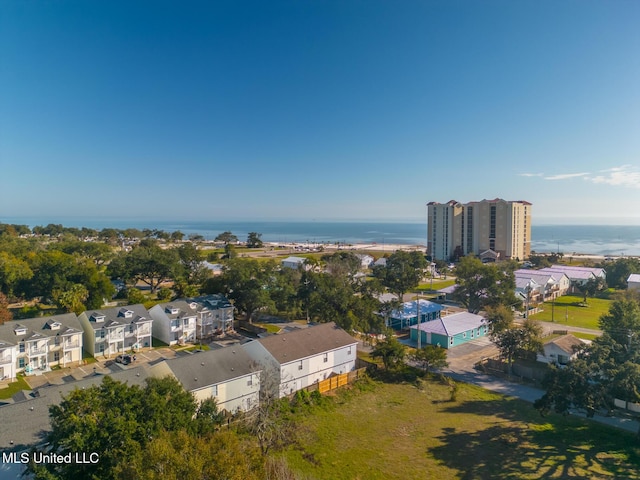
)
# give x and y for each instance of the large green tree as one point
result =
(481, 285)
(518, 341)
(56, 271)
(117, 421)
(403, 271)
(248, 283)
(12, 270)
(147, 263)
(226, 237)
(390, 351)
(619, 270)
(254, 240)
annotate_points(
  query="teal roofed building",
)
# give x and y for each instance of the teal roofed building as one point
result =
(408, 314)
(452, 330)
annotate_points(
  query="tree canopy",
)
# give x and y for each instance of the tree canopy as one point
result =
(254, 240)
(226, 237)
(147, 263)
(403, 271)
(481, 285)
(140, 432)
(606, 369)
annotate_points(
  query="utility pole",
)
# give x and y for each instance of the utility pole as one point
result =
(419, 331)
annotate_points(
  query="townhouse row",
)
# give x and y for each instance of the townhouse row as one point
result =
(37, 344)
(236, 376)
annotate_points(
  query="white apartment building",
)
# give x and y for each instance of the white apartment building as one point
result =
(455, 229)
(116, 330)
(295, 360)
(37, 344)
(175, 322)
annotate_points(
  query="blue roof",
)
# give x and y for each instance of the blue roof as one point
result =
(410, 309)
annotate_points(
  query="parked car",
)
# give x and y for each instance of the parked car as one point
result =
(124, 359)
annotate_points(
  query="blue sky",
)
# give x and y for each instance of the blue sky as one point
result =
(319, 109)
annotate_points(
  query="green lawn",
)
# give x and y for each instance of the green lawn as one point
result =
(13, 388)
(401, 431)
(437, 284)
(569, 313)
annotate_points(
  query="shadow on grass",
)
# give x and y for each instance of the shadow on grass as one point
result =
(553, 447)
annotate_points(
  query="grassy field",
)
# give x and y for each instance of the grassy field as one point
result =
(401, 431)
(577, 316)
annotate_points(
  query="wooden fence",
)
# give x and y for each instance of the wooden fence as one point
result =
(336, 381)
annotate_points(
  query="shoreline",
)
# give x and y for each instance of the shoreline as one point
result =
(303, 247)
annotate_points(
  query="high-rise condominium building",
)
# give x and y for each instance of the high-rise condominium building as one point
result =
(455, 229)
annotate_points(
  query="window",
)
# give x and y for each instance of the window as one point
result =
(300, 366)
(349, 351)
(21, 349)
(250, 382)
(101, 347)
(21, 363)
(325, 359)
(451, 341)
(471, 333)
(56, 356)
(464, 334)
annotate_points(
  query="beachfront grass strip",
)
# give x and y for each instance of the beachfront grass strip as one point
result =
(403, 431)
(569, 312)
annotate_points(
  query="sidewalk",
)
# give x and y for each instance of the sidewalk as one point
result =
(531, 394)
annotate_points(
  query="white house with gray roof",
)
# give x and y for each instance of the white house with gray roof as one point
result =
(295, 263)
(214, 315)
(633, 281)
(37, 344)
(116, 330)
(175, 322)
(227, 374)
(298, 359)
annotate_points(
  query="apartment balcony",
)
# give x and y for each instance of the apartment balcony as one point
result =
(5, 360)
(71, 345)
(37, 351)
(116, 338)
(176, 329)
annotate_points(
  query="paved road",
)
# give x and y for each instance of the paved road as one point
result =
(551, 326)
(461, 360)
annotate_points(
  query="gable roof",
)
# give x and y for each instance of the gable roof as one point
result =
(576, 273)
(209, 302)
(39, 327)
(566, 343)
(302, 343)
(453, 324)
(181, 307)
(118, 316)
(539, 276)
(634, 277)
(203, 369)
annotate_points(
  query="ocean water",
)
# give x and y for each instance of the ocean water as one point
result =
(568, 239)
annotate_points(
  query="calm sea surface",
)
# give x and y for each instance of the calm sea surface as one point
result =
(595, 239)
